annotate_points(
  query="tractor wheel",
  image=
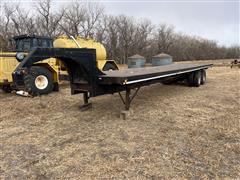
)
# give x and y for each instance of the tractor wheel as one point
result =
(109, 67)
(7, 88)
(38, 81)
(203, 76)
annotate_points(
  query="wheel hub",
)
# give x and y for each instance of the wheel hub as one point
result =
(41, 82)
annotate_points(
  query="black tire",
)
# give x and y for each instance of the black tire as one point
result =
(194, 79)
(203, 77)
(31, 81)
(190, 79)
(109, 67)
(197, 78)
(167, 82)
(7, 88)
(55, 87)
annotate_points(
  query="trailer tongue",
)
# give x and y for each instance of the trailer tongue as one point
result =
(86, 78)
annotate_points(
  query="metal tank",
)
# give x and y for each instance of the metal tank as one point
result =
(161, 59)
(136, 61)
(79, 42)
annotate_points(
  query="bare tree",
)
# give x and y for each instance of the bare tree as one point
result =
(112, 39)
(126, 29)
(164, 37)
(47, 19)
(122, 35)
(143, 38)
(101, 29)
(94, 13)
(23, 21)
(5, 23)
(73, 19)
(82, 19)
(6, 26)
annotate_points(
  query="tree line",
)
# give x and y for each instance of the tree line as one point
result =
(122, 35)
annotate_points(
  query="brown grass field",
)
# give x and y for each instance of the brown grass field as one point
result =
(174, 131)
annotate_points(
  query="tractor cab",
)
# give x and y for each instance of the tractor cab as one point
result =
(26, 43)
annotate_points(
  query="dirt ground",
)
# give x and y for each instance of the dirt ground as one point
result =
(174, 131)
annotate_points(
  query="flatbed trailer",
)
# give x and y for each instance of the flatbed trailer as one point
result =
(86, 78)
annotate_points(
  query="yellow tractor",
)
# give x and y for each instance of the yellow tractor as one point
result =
(45, 75)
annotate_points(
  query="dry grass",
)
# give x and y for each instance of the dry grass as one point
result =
(175, 132)
(216, 63)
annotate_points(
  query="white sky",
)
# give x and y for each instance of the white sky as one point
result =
(213, 19)
(209, 19)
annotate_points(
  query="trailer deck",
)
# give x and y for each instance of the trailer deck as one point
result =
(86, 78)
(136, 75)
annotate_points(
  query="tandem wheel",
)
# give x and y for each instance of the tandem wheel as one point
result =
(197, 78)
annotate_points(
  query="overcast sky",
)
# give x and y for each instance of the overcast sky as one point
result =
(213, 19)
(217, 20)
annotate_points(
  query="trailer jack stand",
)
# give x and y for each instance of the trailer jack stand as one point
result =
(128, 97)
(86, 104)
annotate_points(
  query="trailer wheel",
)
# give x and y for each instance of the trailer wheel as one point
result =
(190, 79)
(197, 78)
(167, 82)
(203, 76)
(38, 81)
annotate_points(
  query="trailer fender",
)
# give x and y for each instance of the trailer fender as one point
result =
(107, 65)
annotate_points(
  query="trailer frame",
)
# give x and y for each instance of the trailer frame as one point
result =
(87, 79)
